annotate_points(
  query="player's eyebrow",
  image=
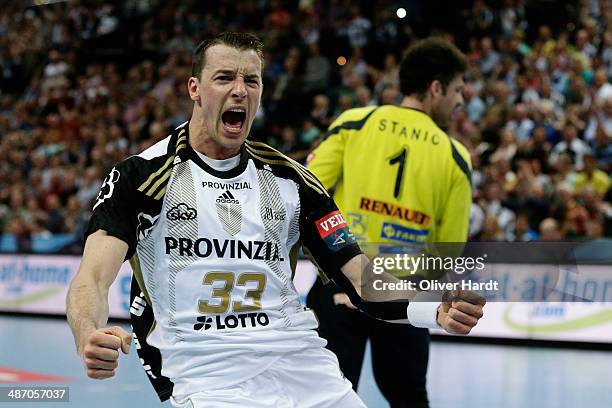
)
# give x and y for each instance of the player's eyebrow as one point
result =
(224, 71)
(252, 76)
(232, 73)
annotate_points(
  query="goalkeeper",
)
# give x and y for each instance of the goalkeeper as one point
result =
(399, 179)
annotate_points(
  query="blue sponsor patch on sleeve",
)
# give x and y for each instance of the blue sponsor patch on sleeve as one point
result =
(339, 239)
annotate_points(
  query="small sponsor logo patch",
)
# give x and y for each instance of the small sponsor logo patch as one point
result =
(400, 233)
(339, 239)
(233, 321)
(181, 212)
(145, 225)
(273, 215)
(331, 223)
(229, 211)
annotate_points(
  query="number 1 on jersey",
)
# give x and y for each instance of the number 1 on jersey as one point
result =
(401, 159)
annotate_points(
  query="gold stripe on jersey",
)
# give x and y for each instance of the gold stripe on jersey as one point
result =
(308, 178)
(182, 137)
(276, 154)
(152, 328)
(164, 177)
(135, 264)
(144, 185)
(159, 181)
(166, 168)
(294, 254)
(315, 187)
(161, 193)
(320, 270)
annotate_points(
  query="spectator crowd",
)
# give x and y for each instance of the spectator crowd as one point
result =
(85, 84)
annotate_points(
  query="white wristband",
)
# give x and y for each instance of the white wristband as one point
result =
(423, 313)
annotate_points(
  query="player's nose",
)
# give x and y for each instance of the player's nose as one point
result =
(239, 89)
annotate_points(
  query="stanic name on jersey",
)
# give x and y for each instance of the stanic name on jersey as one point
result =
(395, 211)
(331, 223)
(227, 248)
(415, 134)
(242, 320)
(240, 185)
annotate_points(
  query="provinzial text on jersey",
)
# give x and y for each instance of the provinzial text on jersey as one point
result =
(415, 133)
(227, 248)
(241, 185)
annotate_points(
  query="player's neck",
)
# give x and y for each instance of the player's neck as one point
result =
(415, 103)
(202, 143)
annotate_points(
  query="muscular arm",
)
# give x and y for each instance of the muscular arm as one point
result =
(354, 271)
(87, 300)
(87, 305)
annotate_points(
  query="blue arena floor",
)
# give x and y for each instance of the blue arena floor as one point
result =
(460, 375)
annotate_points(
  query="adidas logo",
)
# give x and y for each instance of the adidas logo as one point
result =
(227, 198)
(229, 211)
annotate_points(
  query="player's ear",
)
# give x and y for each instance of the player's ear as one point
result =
(436, 88)
(193, 86)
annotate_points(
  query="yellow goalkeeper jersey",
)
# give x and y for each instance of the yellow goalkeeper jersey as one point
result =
(398, 177)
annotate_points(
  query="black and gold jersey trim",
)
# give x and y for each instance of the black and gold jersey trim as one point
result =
(192, 155)
(267, 154)
(137, 272)
(159, 178)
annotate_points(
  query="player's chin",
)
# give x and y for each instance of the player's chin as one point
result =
(448, 118)
(442, 119)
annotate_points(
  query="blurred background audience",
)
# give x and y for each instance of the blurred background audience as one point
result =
(84, 84)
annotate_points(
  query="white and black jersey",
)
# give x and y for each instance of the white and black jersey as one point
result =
(213, 255)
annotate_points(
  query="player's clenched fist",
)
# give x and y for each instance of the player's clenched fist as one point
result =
(100, 352)
(460, 311)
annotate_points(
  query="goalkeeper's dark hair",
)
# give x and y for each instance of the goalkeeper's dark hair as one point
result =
(240, 41)
(429, 60)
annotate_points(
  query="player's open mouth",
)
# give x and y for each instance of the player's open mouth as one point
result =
(233, 119)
